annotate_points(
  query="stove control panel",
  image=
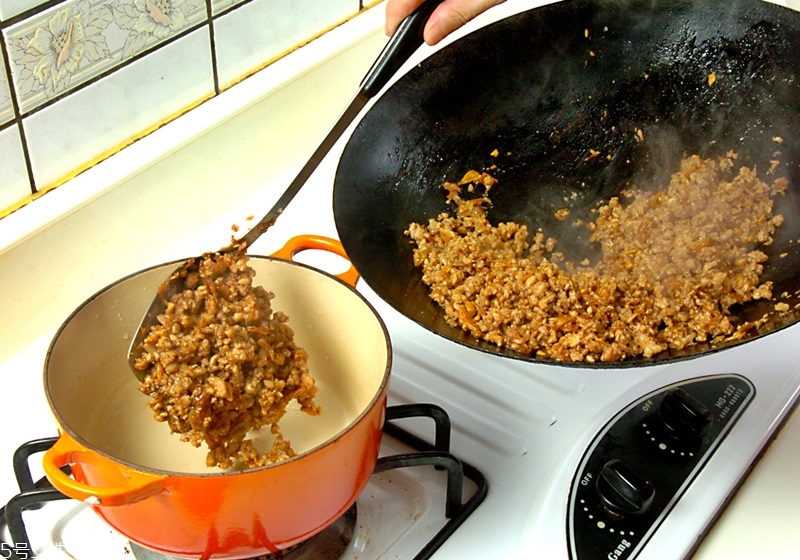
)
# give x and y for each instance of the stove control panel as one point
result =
(642, 461)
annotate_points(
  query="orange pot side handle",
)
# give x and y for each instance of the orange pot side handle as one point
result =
(303, 242)
(133, 485)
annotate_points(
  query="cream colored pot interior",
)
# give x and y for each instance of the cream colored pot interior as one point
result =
(95, 395)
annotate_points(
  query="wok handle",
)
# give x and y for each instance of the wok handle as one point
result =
(301, 243)
(133, 486)
(403, 43)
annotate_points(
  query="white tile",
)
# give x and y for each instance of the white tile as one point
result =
(14, 186)
(11, 8)
(102, 117)
(253, 34)
(74, 42)
(220, 6)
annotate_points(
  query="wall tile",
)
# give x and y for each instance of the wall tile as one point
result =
(97, 119)
(11, 8)
(14, 187)
(77, 41)
(263, 29)
(220, 6)
(88, 77)
(6, 109)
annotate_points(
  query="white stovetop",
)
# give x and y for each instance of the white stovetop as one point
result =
(218, 165)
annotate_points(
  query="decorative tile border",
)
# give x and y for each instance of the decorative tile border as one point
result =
(6, 109)
(75, 42)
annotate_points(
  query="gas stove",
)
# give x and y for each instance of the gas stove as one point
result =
(531, 438)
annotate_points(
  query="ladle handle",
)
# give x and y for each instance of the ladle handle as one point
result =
(404, 42)
(400, 47)
(133, 485)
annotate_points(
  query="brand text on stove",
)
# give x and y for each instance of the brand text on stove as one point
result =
(618, 552)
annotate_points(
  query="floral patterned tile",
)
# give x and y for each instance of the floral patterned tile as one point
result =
(77, 42)
(6, 109)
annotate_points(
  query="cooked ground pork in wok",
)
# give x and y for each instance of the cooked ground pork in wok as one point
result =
(673, 263)
(221, 363)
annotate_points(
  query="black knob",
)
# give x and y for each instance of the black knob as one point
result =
(683, 415)
(622, 490)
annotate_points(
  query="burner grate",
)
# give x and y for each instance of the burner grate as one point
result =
(34, 495)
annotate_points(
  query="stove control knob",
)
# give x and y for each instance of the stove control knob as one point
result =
(683, 415)
(622, 490)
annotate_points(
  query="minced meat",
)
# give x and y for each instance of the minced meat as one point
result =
(221, 363)
(673, 263)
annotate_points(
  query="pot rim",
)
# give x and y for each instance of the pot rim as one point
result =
(377, 397)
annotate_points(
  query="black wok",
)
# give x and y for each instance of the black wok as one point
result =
(545, 86)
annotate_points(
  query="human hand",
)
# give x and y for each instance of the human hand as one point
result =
(446, 18)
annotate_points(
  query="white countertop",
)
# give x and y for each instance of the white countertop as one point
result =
(763, 519)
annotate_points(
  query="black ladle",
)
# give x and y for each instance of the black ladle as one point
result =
(403, 43)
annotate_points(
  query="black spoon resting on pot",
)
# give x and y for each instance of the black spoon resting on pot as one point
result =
(403, 43)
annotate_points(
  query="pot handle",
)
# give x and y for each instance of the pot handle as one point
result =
(135, 485)
(303, 242)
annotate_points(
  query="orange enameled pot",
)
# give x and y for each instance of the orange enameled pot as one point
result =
(155, 489)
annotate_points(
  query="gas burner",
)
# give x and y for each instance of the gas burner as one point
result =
(329, 544)
(460, 486)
